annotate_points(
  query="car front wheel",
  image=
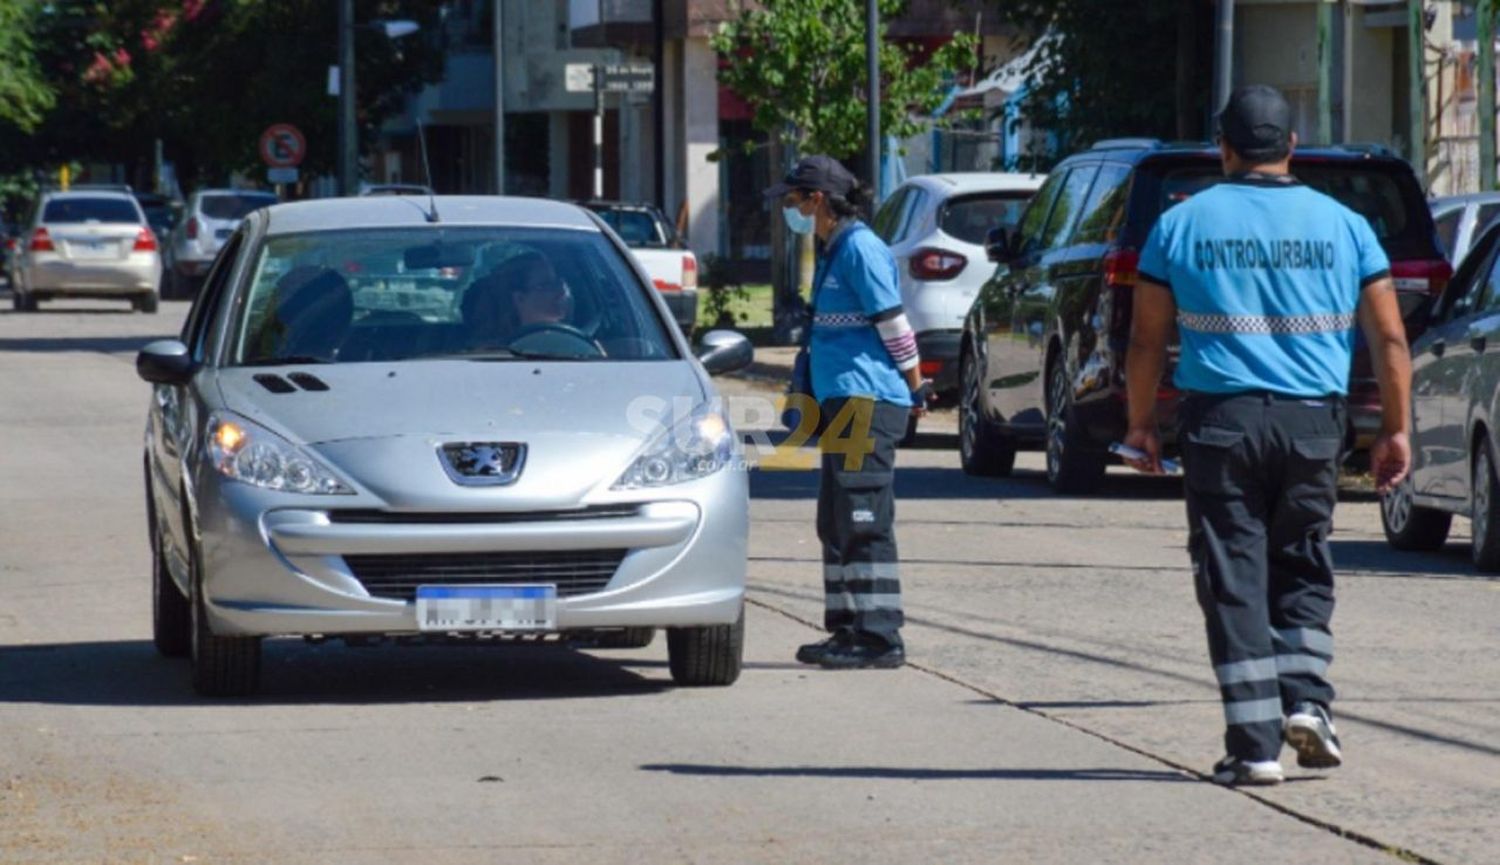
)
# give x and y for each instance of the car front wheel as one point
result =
(1409, 526)
(1073, 464)
(171, 620)
(981, 450)
(222, 666)
(711, 655)
(1486, 513)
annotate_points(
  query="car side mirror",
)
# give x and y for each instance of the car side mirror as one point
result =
(997, 245)
(724, 351)
(165, 361)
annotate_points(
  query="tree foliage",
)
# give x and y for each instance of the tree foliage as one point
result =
(207, 76)
(1113, 70)
(24, 94)
(801, 65)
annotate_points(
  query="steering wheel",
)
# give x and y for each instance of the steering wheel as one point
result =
(555, 338)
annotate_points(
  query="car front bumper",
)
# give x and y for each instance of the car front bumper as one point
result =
(269, 569)
(684, 307)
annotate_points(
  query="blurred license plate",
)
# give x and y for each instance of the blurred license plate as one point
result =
(487, 608)
(91, 248)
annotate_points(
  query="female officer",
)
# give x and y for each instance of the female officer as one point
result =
(866, 381)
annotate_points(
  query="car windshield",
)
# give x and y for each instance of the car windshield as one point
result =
(635, 227)
(64, 210)
(235, 206)
(970, 218)
(487, 294)
(1374, 193)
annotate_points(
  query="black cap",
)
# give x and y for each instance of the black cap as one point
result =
(815, 172)
(1257, 121)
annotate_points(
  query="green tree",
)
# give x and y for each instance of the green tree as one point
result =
(24, 94)
(1116, 69)
(801, 65)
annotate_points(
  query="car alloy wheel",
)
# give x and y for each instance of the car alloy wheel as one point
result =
(1396, 506)
(1486, 522)
(982, 450)
(1408, 525)
(969, 410)
(1071, 466)
(1057, 422)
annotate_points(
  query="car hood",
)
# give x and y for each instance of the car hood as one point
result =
(381, 425)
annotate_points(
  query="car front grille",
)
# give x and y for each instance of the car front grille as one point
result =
(374, 516)
(396, 576)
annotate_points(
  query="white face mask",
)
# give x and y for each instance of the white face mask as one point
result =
(797, 221)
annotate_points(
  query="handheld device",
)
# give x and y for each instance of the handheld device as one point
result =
(1171, 467)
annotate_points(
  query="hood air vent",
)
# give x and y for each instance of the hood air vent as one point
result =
(274, 383)
(308, 381)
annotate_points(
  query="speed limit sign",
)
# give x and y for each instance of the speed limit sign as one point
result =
(282, 146)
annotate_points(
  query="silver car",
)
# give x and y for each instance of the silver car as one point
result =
(91, 243)
(209, 217)
(450, 419)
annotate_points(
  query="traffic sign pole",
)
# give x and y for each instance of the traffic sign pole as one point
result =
(598, 131)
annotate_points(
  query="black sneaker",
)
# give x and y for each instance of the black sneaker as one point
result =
(1309, 730)
(856, 657)
(1237, 771)
(814, 652)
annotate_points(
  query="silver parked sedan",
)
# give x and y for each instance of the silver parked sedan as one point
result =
(449, 418)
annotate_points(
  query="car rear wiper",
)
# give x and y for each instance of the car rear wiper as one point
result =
(287, 360)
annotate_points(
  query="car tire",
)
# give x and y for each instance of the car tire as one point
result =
(627, 638)
(1409, 526)
(222, 666)
(711, 655)
(1074, 464)
(148, 303)
(982, 451)
(1485, 516)
(171, 617)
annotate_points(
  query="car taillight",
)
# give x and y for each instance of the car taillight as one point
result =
(1119, 273)
(145, 241)
(41, 241)
(937, 264)
(689, 272)
(1429, 276)
(192, 228)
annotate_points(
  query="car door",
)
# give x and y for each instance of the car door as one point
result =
(1439, 356)
(1035, 316)
(1472, 355)
(1008, 360)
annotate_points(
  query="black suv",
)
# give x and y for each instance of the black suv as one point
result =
(1043, 356)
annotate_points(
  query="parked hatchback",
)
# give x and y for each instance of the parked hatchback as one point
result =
(1460, 219)
(466, 420)
(1455, 441)
(1043, 357)
(936, 226)
(207, 220)
(91, 243)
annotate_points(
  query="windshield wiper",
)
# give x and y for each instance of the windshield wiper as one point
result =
(288, 360)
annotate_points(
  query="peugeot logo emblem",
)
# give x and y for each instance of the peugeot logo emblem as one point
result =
(482, 463)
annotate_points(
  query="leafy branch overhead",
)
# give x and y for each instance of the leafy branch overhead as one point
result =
(801, 66)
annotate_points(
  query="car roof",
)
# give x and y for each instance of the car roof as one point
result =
(1465, 198)
(266, 192)
(404, 211)
(1137, 150)
(88, 193)
(964, 182)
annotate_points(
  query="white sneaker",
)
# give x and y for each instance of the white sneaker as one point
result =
(1235, 772)
(1310, 731)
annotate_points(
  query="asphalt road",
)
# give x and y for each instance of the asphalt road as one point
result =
(1058, 708)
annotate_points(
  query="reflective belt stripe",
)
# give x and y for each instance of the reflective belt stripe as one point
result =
(840, 319)
(1292, 664)
(1303, 639)
(1256, 670)
(862, 571)
(1253, 711)
(861, 602)
(1266, 324)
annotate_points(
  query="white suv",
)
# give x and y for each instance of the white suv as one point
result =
(86, 243)
(211, 215)
(935, 225)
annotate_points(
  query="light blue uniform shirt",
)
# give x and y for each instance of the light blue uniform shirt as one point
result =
(846, 352)
(1267, 278)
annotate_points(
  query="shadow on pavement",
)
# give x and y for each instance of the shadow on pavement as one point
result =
(898, 773)
(131, 673)
(1378, 558)
(103, 344)
(954, 484)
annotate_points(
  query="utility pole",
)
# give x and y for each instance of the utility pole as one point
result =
(598, 131)
(1416, 64)
(1223, 54)
(872, 105)
(1485, 17)
(658, 107)
(499, 34)
(348, 133)
(1325, 72)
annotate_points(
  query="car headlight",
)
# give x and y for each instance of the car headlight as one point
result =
(252, 454)
(697, 447)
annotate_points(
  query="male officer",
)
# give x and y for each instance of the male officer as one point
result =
(1265, 279)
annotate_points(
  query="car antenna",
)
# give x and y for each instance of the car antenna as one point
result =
(432, 214)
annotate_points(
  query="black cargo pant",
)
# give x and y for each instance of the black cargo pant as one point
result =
(1262, 479)
(856, 521)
